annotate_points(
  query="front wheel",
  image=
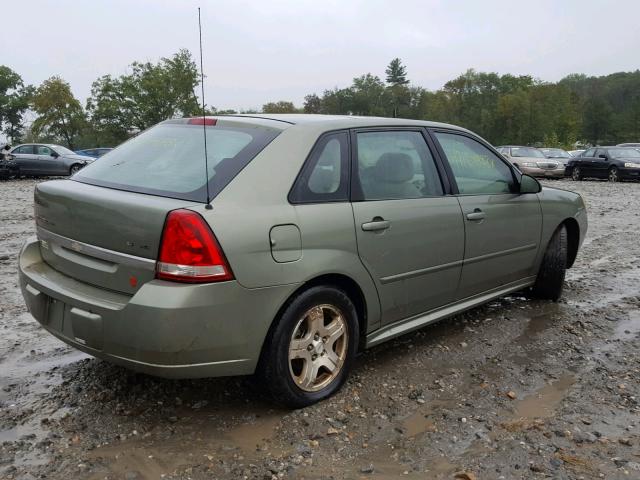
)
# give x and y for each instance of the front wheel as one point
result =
(308, 355)
(75, 168)
(613, 175)
(552, 271)
(576, 174)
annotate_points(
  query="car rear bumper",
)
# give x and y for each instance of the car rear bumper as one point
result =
(166, 329)
(541, 172)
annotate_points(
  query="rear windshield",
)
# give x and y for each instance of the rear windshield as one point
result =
(168, 159)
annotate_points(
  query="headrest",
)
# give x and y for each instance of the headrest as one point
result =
(394, 167)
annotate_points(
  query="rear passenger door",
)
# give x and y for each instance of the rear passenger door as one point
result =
(586, 162)
(502, 227)
(26, 159)
(410, 235)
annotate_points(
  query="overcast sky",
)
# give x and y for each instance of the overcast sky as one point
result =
(260, 51)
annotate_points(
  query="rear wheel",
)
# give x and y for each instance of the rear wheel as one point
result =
(576, 174)
(75, 168)
(552, 271)
(613, 174)
(308, 355)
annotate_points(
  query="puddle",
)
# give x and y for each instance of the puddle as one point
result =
(418, 423)
(252, 436)
(543, 402)
(629, 328)
(152, 458)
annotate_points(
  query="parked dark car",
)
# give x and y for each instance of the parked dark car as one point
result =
(612, 163)
(47, 159)
(94, 152)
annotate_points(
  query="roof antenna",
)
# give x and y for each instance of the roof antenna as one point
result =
(204, 123)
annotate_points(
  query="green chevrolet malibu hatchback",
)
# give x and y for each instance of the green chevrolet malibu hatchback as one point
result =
(313, 238)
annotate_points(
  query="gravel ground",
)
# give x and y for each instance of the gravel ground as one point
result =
(515, 389)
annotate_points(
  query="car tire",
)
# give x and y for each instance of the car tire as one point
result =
(613, 175)
(550, 279)
(295, 365)
(75, 168)
(576, 175)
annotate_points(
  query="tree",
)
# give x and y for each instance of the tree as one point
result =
(150, 94)
(14, 102)
(279, 107)
(60, 115)
(396, 73)
(312, 104)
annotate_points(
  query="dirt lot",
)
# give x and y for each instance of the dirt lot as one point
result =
(516, 389)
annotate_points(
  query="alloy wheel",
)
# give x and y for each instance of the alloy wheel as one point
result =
(613, 175)
(75, 169)
(318, 347)
(575, 174)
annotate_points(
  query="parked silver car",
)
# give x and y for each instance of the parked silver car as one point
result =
(532, 161)
(47, 159)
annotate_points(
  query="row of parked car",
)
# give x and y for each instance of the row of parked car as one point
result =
(617, 163)
(45, 159)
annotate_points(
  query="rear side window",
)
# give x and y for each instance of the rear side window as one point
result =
(589, 153)
(396, 165)
(168, 159)
(477, 170)
(25, 149)
(325, 176)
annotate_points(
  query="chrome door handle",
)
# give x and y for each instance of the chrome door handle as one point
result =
(476, 216)
(376, 225)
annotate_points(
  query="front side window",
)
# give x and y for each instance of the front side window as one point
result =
(42, 150)
(477, 170)
(589, 153)
(325, 175)
(396, 165)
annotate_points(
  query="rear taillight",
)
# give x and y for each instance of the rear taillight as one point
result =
(189, 252)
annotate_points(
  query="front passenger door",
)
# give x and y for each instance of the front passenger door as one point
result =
(410, 235)
(502, 227)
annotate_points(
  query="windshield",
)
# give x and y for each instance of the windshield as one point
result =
(168, 160)
(624, 153)
(526, 152)
(60, 150)
(555, 153)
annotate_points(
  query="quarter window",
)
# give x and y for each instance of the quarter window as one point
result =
(325, 176)
(396, 165)
(477, 170)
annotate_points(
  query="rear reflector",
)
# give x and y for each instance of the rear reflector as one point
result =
(189, 252)
(202, 121)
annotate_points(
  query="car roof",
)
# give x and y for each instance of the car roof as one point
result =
(330, 122)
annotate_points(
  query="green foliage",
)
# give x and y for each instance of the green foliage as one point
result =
(152, 93)
(14, 102)
(60, 115)
(279, 107)
(396, 73)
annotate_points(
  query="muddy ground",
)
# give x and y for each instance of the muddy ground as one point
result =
(515, 389)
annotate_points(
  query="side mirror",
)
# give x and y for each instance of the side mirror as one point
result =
(54, 154)
(528, 184)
